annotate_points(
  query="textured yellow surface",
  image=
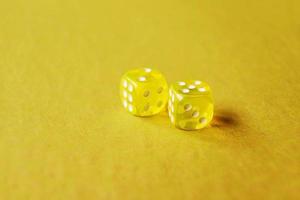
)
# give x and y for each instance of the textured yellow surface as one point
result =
(64, 134)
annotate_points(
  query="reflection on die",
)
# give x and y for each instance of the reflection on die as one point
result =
(190, 104)
(144, 92)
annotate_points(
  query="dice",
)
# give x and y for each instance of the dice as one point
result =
(144, 92)
(190, 104)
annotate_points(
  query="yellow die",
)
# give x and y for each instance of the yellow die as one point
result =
(190, 104)
(144, 92)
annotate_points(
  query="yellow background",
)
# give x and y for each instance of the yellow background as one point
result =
(64, 134)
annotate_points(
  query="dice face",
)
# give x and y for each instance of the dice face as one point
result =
(190, 104)
(144, 92)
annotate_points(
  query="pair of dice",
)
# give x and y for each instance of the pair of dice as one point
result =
(145, 92)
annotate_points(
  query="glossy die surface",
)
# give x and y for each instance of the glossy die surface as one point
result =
(144, 92)
(190, 104)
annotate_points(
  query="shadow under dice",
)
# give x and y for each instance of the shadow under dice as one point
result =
(144, 92)
(190, 105)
